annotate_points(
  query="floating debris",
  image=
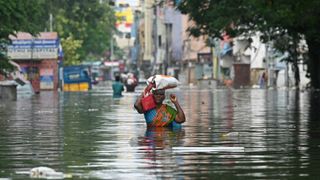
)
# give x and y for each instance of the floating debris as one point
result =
(207, 149)
(44, 112)
(231, 134)
(47, 173)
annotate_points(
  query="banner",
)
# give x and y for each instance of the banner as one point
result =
(46, 78)
(27, 47)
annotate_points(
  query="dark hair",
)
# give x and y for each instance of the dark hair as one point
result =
(158, 91)
(117, 78)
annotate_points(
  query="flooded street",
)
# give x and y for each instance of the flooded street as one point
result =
(229, 134)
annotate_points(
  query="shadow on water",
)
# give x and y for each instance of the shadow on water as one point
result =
(92, 135)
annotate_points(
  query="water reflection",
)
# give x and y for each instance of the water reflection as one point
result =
(158, 139)
(92, 135)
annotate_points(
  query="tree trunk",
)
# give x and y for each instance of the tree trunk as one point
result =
(314, 62)
(296, 73)
(295, 64)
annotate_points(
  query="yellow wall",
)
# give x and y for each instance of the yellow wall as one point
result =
(125, 15)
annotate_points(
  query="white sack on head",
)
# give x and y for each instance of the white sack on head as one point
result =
(130, 81)
(163, 81)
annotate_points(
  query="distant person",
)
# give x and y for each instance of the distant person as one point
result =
(162, 114)
(131, 82)
(117, 87)
(263, 80)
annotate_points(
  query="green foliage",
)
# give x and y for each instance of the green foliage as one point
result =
(17, 16)
(85, 26)
(275, 18)
(242, 16)
(88, 21)
(5, 67)
(70, 47)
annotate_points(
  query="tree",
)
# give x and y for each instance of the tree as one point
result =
(70, 47)
(17, 16)
(88, 21)
(85, 25)
(289, 44)
(274, 18)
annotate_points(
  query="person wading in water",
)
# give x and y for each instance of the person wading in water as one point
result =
(162, 115)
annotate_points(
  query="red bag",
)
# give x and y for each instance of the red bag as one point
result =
(147, 102)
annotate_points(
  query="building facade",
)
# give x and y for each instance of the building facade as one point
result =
(38, 58)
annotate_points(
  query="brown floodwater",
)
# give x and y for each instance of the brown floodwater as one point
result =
(229, 134)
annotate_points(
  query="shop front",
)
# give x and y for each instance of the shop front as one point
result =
(38, 58)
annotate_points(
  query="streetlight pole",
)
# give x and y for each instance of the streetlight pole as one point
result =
(111, 47)
(111, 55)
(269, 66)
(167, 62)
(188, 49)
(31, 74)
(128, 36)
(215, 61)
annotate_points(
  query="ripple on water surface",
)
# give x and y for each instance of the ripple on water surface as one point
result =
(229, 134)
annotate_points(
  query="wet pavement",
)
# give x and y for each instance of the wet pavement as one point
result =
(229, 134)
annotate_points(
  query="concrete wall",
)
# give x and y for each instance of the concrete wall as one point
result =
(50, 65)
(174, 17)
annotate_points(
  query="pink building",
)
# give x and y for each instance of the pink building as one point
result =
(38, 58)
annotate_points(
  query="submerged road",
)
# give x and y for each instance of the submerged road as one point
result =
(243, 134)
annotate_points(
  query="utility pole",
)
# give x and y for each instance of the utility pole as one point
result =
(111, 47)
(50, 19)
(31, 64)
(111, 54)
(186, 51)
(214, 59)
(270, 63)
(128, 36)
(168, 46)
(217, 51)
(156, 43)
(286, 75)
(214, 45)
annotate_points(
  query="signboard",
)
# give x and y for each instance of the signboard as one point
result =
(24, 46)
(124, 18)
(111, 63)
(46, 78)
